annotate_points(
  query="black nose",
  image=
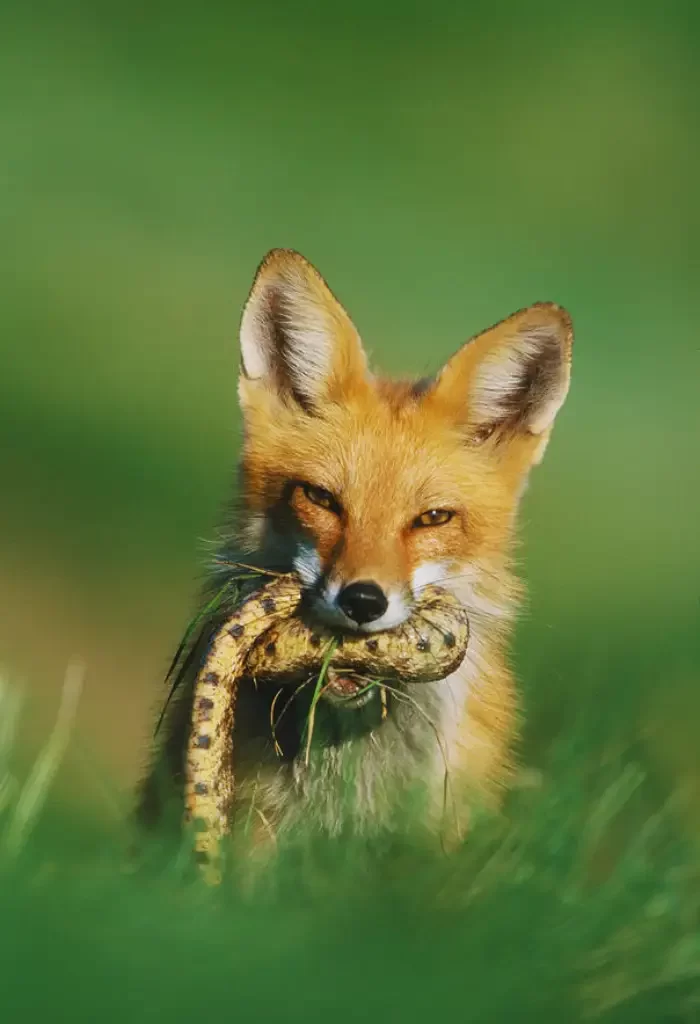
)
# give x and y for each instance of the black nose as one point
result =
(363, 602)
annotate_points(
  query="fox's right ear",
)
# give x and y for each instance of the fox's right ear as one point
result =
(296, 339)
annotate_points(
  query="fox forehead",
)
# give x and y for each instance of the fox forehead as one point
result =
(381, 450)
(313, 411)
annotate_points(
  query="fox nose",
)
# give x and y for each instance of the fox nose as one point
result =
(363, 602)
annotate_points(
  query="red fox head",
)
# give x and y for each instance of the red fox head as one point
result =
(371, 488)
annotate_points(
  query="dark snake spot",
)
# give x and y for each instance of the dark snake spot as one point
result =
(205, 704)
(315, 640)
(449, 640)
(423, 644)
(270, 648)
(268, 605)
(203, 742)
(236, 630)
(201, 856)
(372, 645)
(201, 788)
(211, 677)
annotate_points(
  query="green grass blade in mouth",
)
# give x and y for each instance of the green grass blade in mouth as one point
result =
(318, 690)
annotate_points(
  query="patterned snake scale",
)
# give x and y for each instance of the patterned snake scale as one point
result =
(262, 639)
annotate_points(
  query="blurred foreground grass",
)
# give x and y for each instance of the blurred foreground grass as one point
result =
(581, 902)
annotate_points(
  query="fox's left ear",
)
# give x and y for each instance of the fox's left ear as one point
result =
(512, 378)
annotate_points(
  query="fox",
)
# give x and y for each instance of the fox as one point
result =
(368, 489)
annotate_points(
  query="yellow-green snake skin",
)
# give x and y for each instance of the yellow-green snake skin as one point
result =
(264, 639)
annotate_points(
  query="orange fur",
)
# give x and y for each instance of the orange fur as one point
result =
(386, 453)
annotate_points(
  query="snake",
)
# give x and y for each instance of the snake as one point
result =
(265, 638)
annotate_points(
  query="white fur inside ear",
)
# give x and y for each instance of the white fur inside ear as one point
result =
(309, 351)
(544, 419)
(502, 383)
(286, 336)
(255, 355)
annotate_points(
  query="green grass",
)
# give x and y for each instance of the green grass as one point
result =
(582, 901)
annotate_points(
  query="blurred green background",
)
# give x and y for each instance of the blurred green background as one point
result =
(442, 164)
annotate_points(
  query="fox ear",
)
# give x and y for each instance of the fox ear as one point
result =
(514, 375)
(296, 338)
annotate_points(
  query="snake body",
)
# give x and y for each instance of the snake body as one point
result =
(263, 639)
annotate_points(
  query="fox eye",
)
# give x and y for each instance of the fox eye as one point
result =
(321, 497)
(433, 517)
